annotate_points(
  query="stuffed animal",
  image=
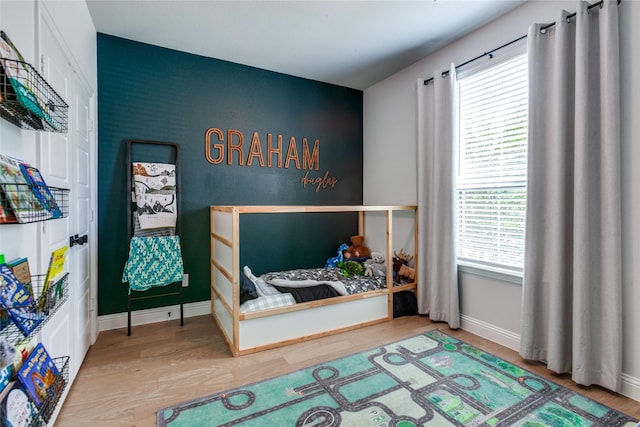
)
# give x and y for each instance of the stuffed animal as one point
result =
(407, 272)
(401, 267)
(357, 248)
(351, 268)
(333, 262)
(7, 353)
(354, 268)
(406, 258)
(374, 267)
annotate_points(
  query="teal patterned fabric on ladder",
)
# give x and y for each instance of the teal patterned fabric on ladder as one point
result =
(153, 261)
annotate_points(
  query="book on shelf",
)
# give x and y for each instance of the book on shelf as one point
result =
(40, 189)
(12, 292)
(20, 268)
(20, 305)
(23, 203)
(20, 85)
(16, 410)
(4, 318)
(6, 213)
(56, 264)
(54, 273)
(5, 376)
(38, 376)
(4, 315)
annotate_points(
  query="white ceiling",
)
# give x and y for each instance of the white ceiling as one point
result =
(347, 43)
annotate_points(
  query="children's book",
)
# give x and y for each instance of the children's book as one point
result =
(54, 272)
(56, 264)
(23, 203)
(16, 410)
(5, 376)
(26, 318)
(40, 189)
(12, 292)
(19, 304)
(20, 268)
(4, 318)
(6, 213)
(38, 375)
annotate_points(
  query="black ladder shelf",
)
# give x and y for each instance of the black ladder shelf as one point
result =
(175, 154)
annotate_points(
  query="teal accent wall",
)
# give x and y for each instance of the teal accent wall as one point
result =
(150, 93)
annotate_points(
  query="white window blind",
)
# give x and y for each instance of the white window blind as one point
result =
(491, 186)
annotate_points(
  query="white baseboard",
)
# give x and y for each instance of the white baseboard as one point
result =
(491, 332)
(630, 385)
(153, 315)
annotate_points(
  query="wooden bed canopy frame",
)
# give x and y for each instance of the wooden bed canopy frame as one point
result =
(250, 332)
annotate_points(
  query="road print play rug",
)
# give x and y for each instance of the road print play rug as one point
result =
(430, 379)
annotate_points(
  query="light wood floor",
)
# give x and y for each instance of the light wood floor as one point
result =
(125, 380)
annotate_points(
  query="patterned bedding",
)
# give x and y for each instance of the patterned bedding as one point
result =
(271, 298)
(352, 284)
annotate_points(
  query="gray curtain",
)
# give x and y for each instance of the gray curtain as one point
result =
(572, 294)
(436, 157)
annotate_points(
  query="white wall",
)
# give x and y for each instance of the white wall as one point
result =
(491, 307)
(25, 21)
(74, 22)
(17, 19)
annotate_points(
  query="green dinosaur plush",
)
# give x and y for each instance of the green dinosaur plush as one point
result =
(354, 268)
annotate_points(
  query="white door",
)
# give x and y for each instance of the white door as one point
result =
(65, 162)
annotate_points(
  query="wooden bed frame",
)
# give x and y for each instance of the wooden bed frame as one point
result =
(250, 332)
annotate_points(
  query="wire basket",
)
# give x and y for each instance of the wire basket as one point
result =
(19, 203)
(45, 303)
(53, 392)
(27, 100)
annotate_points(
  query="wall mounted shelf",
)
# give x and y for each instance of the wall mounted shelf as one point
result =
(54, 393)
(33, 210)
(46, 304)
(28, 101)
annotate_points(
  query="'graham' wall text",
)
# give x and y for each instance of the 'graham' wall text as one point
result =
(256, 153)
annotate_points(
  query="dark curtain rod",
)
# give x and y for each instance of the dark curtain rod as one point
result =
(490, 53)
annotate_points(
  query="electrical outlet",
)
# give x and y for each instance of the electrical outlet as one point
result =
(185, 280)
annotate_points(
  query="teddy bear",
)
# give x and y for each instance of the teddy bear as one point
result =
(357, 249)
(374, 267)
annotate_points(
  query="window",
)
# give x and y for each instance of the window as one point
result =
(492, 154)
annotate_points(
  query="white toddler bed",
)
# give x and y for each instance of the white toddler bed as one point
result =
(275, 318)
